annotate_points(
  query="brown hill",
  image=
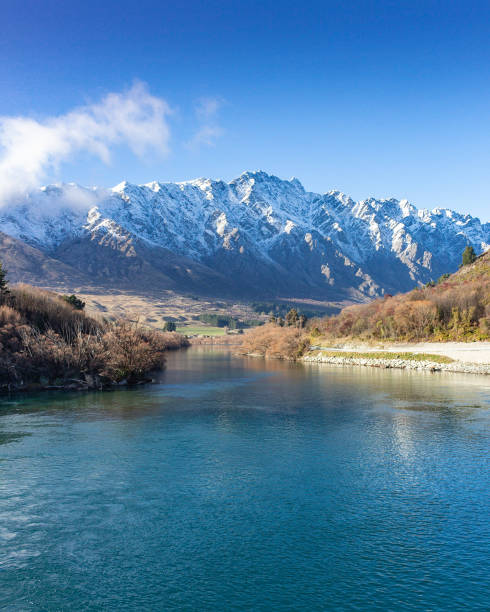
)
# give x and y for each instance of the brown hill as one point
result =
(457, 307)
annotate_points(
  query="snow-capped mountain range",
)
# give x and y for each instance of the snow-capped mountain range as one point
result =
(257, 235)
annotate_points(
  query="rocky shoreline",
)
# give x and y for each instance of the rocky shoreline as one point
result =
(428, 366)
(87, 383)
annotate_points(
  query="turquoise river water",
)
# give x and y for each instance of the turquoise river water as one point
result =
(240, 484)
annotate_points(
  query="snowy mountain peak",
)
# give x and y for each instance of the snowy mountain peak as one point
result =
(120, 187)
(259, 227)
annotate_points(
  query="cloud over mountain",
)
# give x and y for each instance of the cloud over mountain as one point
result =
(257, 235)
(209, 130)
(30, 149)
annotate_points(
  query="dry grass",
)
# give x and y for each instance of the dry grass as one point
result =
(46, 310)
(43, 338)
(154, 309)
(273, 341)
(457, 309)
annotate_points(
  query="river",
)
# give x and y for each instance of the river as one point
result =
(242, 484)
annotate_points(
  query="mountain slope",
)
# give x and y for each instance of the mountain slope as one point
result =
(30, 265)
(455, 308)
(255, 236)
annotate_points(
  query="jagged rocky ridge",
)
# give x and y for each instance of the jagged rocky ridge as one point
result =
(255, 236)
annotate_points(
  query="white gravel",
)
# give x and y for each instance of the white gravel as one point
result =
(404, 364)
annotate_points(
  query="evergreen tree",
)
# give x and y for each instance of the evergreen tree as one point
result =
(469, 255)
(292, 317)
(74, 301)
(169, 326)
(4, 288)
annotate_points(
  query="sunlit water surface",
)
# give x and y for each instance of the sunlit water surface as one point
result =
(239, 484)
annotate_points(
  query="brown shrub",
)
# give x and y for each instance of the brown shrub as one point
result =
(456, 309)
(172, 340)
(42, 336)
(274, 341)
(131, 351)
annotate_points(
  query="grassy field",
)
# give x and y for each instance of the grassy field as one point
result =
(154, 310)
(201, 330)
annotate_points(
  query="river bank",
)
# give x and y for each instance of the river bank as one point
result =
(465, 352)
(398, 361)
(48, 342)
(293, 344)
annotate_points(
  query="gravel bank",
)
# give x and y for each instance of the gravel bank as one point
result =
(456, 366)
(467, 352)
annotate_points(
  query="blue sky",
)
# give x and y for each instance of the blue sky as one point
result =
(373, 98)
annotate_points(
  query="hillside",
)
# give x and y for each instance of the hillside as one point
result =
(255, 237)
(456, 308)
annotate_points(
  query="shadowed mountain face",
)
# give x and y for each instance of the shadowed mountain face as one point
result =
(30, 265)
(257, 236)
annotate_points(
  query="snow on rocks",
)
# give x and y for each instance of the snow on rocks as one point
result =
(391, 243)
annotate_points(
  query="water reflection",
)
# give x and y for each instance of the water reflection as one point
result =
(212, 380)
(243, 484)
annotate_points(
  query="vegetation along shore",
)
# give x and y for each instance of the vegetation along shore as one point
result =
(47, 341)
(456, 308)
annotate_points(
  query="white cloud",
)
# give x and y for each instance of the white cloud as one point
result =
(205, 136)
(207, 108)
(209, 131)
(31, 149)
